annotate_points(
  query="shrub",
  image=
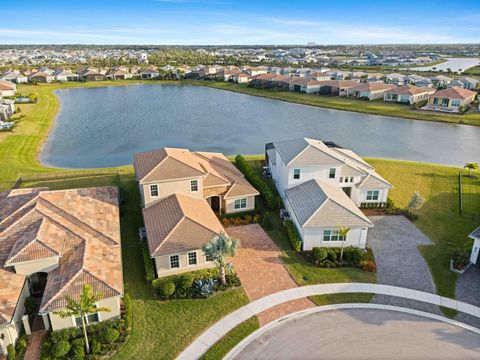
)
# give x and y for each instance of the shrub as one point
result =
(78, 349)
(293, 235)
(232, 280)
(183, 283)
(149, 269)
(127, 311)
(30, 305)
(165, 288)
(11, 352)
(352, 255)
(205, 288)
(461, 258)
(96, 347)
(332, 255)
(319, 255)
(61, 349)
(368, 265)
(110, 335)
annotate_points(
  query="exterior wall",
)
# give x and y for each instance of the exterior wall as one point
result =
(313, 237)
(475, 250)
(171, 187)
(32, 267)
(7, 92)
(361, 196)
(162, 263)
(376, 94)
(215, 191)
(229, 204)
(58, 323)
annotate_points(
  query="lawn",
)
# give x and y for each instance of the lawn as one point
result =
(377, 107)
(439, 218)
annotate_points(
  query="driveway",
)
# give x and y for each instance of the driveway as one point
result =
(468, 290)
(394, 242)
(363, 334)
(261, 271)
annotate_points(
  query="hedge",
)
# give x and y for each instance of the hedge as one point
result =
(271, 198)
(149, 269)
(293, 235)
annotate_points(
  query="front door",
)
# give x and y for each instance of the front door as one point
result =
(215, 203)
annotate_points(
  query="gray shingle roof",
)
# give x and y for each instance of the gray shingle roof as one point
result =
(289, 149)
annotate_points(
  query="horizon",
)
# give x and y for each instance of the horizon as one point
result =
(238, 23)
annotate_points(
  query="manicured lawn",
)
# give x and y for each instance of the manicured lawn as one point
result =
(377, 107)
(439, 218)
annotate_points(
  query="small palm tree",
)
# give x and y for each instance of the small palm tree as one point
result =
(219, 247)
(470, 167)
(85, 306)
(342, 232)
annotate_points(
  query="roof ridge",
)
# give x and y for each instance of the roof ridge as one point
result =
(35, 198)
(169, 233)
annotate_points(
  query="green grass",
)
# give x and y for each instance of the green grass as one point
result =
(231, 339)
(439, 217)
(377, 107)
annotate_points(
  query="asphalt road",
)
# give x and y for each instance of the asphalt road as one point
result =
(364, 334)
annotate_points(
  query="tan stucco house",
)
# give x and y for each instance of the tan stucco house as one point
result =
(52, 243)
(182, 194)
(450, 99)
(370, 91)
(408, 94)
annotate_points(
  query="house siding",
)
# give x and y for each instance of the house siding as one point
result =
(171, 187)
(162, 263)
(32, 267)
(229, 204)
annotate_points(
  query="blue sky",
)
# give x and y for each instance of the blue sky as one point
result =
(216, 22)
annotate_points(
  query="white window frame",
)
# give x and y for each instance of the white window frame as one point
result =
(332, 233)
(170, 261)
(242, 204)
(194, 183)
(207, 260)
(373, 195)
(330, 173)
(188, 258)
(296, 172)
(154, 186)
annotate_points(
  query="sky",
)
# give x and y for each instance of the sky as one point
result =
(231, 22)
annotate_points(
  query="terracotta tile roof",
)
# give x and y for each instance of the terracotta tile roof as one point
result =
(373, 86)
(179, 223)
(341, 84)
(78, 227)
(410, 90)
(455, 93)
(7, 85)
(11, 286)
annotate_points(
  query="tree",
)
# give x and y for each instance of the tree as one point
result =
(85, 306)
(470, 167)
(342, 232)
(218, 248)
(416, 202)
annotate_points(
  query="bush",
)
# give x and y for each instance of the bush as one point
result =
(96, 347)
(149, 269)
(78, 349)
(319, 255)
(110, 335)
(165, 288)
(61, 349)
(461, 258)
(11, 352)
(232, 280)
(352, 255)
(183, 283)
(205, 288)
(368, 265)
(332, 255)
(293, 235)
(127, 311)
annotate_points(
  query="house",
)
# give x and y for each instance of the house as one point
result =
(465, 83)
(41, 77)
(241, 78)
(91, 75)
(375, 77)
(452, 99)
(318, 76)
(7, 88)
(441, 81)
(336, 87)
(396, 79)
(475, 235)
(181, 192)
(370, 91)
(14, 76)
(304, 85)
(149, 74)
(120, 74)
(322, 186)
(53, 243)
(408, 94)
(419, 81)
(64, 75)
(7, 108)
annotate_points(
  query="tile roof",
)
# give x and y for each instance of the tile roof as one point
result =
(410, 90)
(78, 227)
(455, 93)
(315, 203)
(179, 223)
(11, 286)
(373, 86)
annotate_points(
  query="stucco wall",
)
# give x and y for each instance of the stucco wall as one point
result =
(181, 187)
(313, 237)
(32, 267)
(162, 263)
(229, 205)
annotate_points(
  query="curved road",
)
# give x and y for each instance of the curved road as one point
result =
(364, 334)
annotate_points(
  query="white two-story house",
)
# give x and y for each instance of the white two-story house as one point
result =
(323, 186)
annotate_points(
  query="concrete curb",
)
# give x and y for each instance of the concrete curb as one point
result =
(209, 337)
(302, 313)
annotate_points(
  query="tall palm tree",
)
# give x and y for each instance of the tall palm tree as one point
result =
(470, 167)
(85, 306)
(218, 248)
(342, 232)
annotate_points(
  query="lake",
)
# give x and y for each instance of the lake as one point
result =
(105, 126)
(454, 64)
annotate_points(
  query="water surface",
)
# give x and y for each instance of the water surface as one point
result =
(105, 126)
(454, 64)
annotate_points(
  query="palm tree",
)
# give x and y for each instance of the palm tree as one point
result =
(218, 248)
(470, 167)
(342, 232)
(85, 306)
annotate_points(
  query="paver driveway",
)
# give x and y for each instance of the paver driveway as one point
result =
(261, 271)
(394, 242)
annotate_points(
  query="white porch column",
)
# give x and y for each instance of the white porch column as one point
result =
(46, 321)
(26, 325)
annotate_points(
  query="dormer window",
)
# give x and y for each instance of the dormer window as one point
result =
(154, 190)
(296, 174)
(194, 186)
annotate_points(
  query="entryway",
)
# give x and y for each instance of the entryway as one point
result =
(214, 202)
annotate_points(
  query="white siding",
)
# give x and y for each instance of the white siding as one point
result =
(313, 237)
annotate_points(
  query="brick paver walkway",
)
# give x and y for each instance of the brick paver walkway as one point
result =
(261, 271)
(34, 345)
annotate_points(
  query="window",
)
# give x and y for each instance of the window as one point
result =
(455, 102)
(208, 257)
(351, 179)
(240, 203)
(153, 190)
(174, 262)
(192, 258)
(372, 194)
(194, 186)
(332, 235)
(341, 179)
(331, 174)
(92, 318)
(296, 174)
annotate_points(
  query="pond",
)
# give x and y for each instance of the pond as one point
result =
(105, 126)
(454, 64)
